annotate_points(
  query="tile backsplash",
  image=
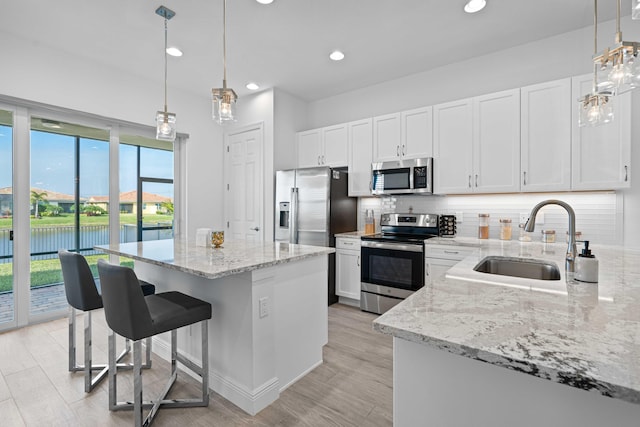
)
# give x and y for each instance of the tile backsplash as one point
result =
(598, 214)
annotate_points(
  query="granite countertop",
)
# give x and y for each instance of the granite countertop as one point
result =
(580, 334)
(352, 234)
(233, 257)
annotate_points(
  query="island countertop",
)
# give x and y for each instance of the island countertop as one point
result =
(233, 257)
(580, 334)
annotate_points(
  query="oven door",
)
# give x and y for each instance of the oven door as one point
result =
(396, 265)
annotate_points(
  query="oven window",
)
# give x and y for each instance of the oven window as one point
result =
(394, 268)
(383, 269)
(392, 179)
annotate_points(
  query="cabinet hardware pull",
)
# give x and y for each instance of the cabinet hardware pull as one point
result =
(626, 173)
(324, 161)
(428, 269)
(451, 252)
(476, 180)
(524, 178)
(398, 150)
(403, 149)
(255, 229)
(358, 260)
(348, 243)
(318, 159)
(469, 181)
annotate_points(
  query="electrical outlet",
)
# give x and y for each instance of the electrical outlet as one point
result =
(263, 307)
(459, 217)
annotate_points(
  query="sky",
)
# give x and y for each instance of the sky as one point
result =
(53, 165)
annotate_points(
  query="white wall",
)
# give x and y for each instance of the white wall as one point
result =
(33, 72)
(553, 58)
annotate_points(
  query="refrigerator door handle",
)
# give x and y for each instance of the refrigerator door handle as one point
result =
(293, 224)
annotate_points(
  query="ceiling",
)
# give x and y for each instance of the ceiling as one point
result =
(286, 44)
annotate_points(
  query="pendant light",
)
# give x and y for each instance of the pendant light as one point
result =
(619, 67)
(224, 99)
(595, 108)
(165, 121)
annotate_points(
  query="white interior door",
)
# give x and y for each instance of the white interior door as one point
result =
(244, 197)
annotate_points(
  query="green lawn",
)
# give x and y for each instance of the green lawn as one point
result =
(46, 272)
(68, 219)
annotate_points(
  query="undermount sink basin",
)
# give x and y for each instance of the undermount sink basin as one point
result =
(519, 267)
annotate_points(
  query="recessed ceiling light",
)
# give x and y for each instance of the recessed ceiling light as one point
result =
(265, 1)
(174, 51)
(252, 86)
(336, 55)
(474, 6)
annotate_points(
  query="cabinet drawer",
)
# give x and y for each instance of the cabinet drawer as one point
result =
(348, 243)
(448, 252)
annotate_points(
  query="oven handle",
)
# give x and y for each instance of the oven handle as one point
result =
(392, 246)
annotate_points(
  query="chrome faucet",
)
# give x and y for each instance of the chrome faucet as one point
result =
(571, 247)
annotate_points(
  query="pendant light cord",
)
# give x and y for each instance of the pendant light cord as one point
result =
(594, 86)
(618, 32)
(224, 43)
(165, 67)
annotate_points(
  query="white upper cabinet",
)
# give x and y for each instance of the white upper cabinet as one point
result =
(360, 157)
(546, 136)
(602, 154)
(417, 133)
(452, 147)
(496, 142)
(387, 134)
(323, 147)
(477, 144)
(405, 135)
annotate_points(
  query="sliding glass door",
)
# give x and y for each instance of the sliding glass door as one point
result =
(69, 181)
(7, 299)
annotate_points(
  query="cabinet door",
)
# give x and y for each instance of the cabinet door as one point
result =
(348, 274)
(417, 133)
(360, 157)
(336, 146)
(386, 138)
(309, 148)
(546, 136)
(452, 147)
(496, 142)
(435, 269)
(601, 155)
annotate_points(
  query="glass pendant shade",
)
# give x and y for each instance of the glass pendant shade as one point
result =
(595, 109)
(635, 9)
(224, 105)
(165, 126)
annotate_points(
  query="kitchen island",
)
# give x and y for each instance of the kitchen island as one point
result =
(571, 350)
(269, 305)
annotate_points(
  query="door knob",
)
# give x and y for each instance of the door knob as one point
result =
(255, 229)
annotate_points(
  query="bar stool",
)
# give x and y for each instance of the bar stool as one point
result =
(83, 294)
(134, 316)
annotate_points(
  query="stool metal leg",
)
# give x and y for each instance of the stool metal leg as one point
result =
(88, 383)
(137, 383)
(72, 339)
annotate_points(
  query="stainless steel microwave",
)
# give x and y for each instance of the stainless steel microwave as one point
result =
(410, 176)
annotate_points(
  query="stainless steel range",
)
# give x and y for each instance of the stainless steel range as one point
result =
(393, 261)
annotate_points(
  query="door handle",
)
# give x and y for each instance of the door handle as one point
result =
(10, 234)
(626, 173)
(524, 178)
(255, 229)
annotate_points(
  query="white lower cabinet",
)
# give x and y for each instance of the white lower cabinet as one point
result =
(439, 258)
(348, 268)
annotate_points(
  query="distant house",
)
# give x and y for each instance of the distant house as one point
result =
(151, 203)
(53, 198)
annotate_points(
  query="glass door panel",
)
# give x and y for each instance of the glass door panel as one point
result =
(60, 202)
(7, 301)
(156, 215)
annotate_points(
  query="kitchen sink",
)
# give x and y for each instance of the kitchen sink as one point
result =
(519, 267)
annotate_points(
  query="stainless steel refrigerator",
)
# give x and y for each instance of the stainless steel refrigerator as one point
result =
(312, 205)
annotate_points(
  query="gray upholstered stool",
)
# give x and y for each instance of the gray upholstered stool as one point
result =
(83, 294)
(134, 316)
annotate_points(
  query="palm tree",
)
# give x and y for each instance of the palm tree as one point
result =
(167, 206)
(36, 199)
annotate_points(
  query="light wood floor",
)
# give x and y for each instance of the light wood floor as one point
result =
(353, 387)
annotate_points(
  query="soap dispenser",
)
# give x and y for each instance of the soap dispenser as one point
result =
(586, 266)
